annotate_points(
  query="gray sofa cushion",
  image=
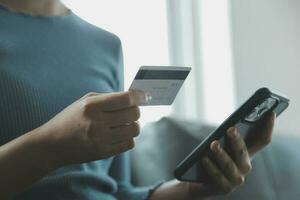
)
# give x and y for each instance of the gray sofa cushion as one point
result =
(162, 145)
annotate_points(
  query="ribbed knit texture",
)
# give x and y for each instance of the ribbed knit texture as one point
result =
(46, 63)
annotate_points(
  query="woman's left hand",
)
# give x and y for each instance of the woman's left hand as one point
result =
(234, 164)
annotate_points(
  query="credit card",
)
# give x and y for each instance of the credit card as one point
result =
(161, 82)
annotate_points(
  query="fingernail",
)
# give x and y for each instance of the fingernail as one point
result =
(215, 146)
(232, 132)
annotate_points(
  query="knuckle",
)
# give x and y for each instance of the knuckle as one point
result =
(239, 180)
(247, 168)
(86, 106)
(127, 99)
(136, 129)
(137, 113)
(130, 145)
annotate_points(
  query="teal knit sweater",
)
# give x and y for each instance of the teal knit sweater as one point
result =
(46, 63)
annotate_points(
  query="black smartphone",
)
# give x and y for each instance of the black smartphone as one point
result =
(244, 118)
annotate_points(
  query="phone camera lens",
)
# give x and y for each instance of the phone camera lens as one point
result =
(258, 111)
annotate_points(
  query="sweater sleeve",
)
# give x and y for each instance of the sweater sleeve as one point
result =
(121, 172)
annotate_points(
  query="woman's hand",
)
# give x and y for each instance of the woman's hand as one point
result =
(234, 164)
(94, 127)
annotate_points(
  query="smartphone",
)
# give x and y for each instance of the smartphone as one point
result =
(244, 118)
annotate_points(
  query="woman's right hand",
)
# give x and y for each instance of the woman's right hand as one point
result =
(95, 127)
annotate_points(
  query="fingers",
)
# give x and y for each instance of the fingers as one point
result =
(119, 101)
(267, 122)
(114, 109)
(238, 150)
(218, 178)
(122, 117)
(226, 164)
(124, 133)
(229, 168)
(225, 174)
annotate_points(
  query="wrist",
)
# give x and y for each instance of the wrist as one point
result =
(172, 190)
(43, 144)
(25, 160)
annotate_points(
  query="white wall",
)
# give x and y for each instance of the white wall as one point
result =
(200, 37)
(266, 49)
(142, 27)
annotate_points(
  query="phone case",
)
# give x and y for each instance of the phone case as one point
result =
(244, 118)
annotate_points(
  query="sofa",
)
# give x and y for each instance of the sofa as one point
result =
(163, 144)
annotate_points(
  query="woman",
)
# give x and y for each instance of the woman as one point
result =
(60, 141)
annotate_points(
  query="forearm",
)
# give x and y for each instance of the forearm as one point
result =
(24, 161)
